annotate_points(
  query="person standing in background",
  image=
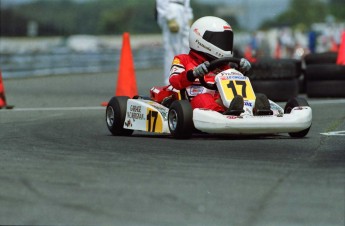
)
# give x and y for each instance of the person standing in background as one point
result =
(174, 17)
(312, 41)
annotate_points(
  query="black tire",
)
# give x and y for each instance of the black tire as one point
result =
(180, 119)
(115, 116)
(296, 102)
(321, 58)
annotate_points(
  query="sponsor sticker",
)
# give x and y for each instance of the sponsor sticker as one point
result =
(176, 61)
(128, 123)
(233, 75)
(197, 32)
(231, 117)
(227, 27)
(194, 90)
(247, 103)
(135, 113)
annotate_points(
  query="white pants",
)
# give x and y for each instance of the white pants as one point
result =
(175, 43)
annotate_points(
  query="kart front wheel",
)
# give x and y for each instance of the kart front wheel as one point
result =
(292, 103)
(115, 116)
(180, 119)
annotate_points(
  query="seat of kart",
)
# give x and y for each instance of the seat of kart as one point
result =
(165, 95)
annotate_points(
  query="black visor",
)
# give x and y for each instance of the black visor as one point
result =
(222, 39)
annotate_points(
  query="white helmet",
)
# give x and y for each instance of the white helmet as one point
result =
(211, 35)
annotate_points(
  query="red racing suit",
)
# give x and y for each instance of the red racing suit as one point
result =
(200, 96)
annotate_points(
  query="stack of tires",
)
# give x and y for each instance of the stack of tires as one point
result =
(324, 78)
(277, 78)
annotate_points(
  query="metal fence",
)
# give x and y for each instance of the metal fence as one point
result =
(70, 62)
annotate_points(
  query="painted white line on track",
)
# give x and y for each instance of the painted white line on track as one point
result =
(330, 101)
(334, 133)
(56, 109)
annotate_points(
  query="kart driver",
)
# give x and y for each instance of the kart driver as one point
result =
(210, 38)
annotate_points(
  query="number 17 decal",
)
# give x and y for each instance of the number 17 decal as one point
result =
(232, 86)
(238, 87)
(153, 121)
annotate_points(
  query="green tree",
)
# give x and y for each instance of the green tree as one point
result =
(66, 17)
(337, 9)
(308, 12)
(133, 16)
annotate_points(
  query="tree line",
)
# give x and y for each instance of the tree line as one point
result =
(102, 17)
(66, 17)
(306, 12)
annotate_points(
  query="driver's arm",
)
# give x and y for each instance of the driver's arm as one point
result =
(179, 74)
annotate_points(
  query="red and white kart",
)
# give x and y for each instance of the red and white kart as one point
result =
(151, 114)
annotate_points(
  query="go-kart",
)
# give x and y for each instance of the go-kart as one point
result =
(169, 111)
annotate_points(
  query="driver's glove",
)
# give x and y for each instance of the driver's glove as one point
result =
(201, 69)
(244, 65)
(173, 26)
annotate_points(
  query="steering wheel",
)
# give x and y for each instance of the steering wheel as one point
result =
(215, 64)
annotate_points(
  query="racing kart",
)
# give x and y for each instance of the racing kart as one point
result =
(169, 111)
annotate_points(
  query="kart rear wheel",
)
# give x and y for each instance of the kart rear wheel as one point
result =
(115, 116)
(180, 119)
(296, 102)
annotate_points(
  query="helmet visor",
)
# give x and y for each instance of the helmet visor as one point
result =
(222, 39)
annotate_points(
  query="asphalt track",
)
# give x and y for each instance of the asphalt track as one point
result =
(60, 165)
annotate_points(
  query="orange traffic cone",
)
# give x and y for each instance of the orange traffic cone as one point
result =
(341, 51)
(126, 82)
(3, 103)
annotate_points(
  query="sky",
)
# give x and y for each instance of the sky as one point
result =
(249, 13)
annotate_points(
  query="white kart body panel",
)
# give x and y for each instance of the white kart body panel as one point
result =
(146, 115)
(208, 121)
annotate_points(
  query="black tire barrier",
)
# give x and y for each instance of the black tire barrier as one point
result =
(326, 88)
(268, 68)
(321, 58)
(277, 89)
(302, 84)
(279, 79)
(325, 72)
(327, 80)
